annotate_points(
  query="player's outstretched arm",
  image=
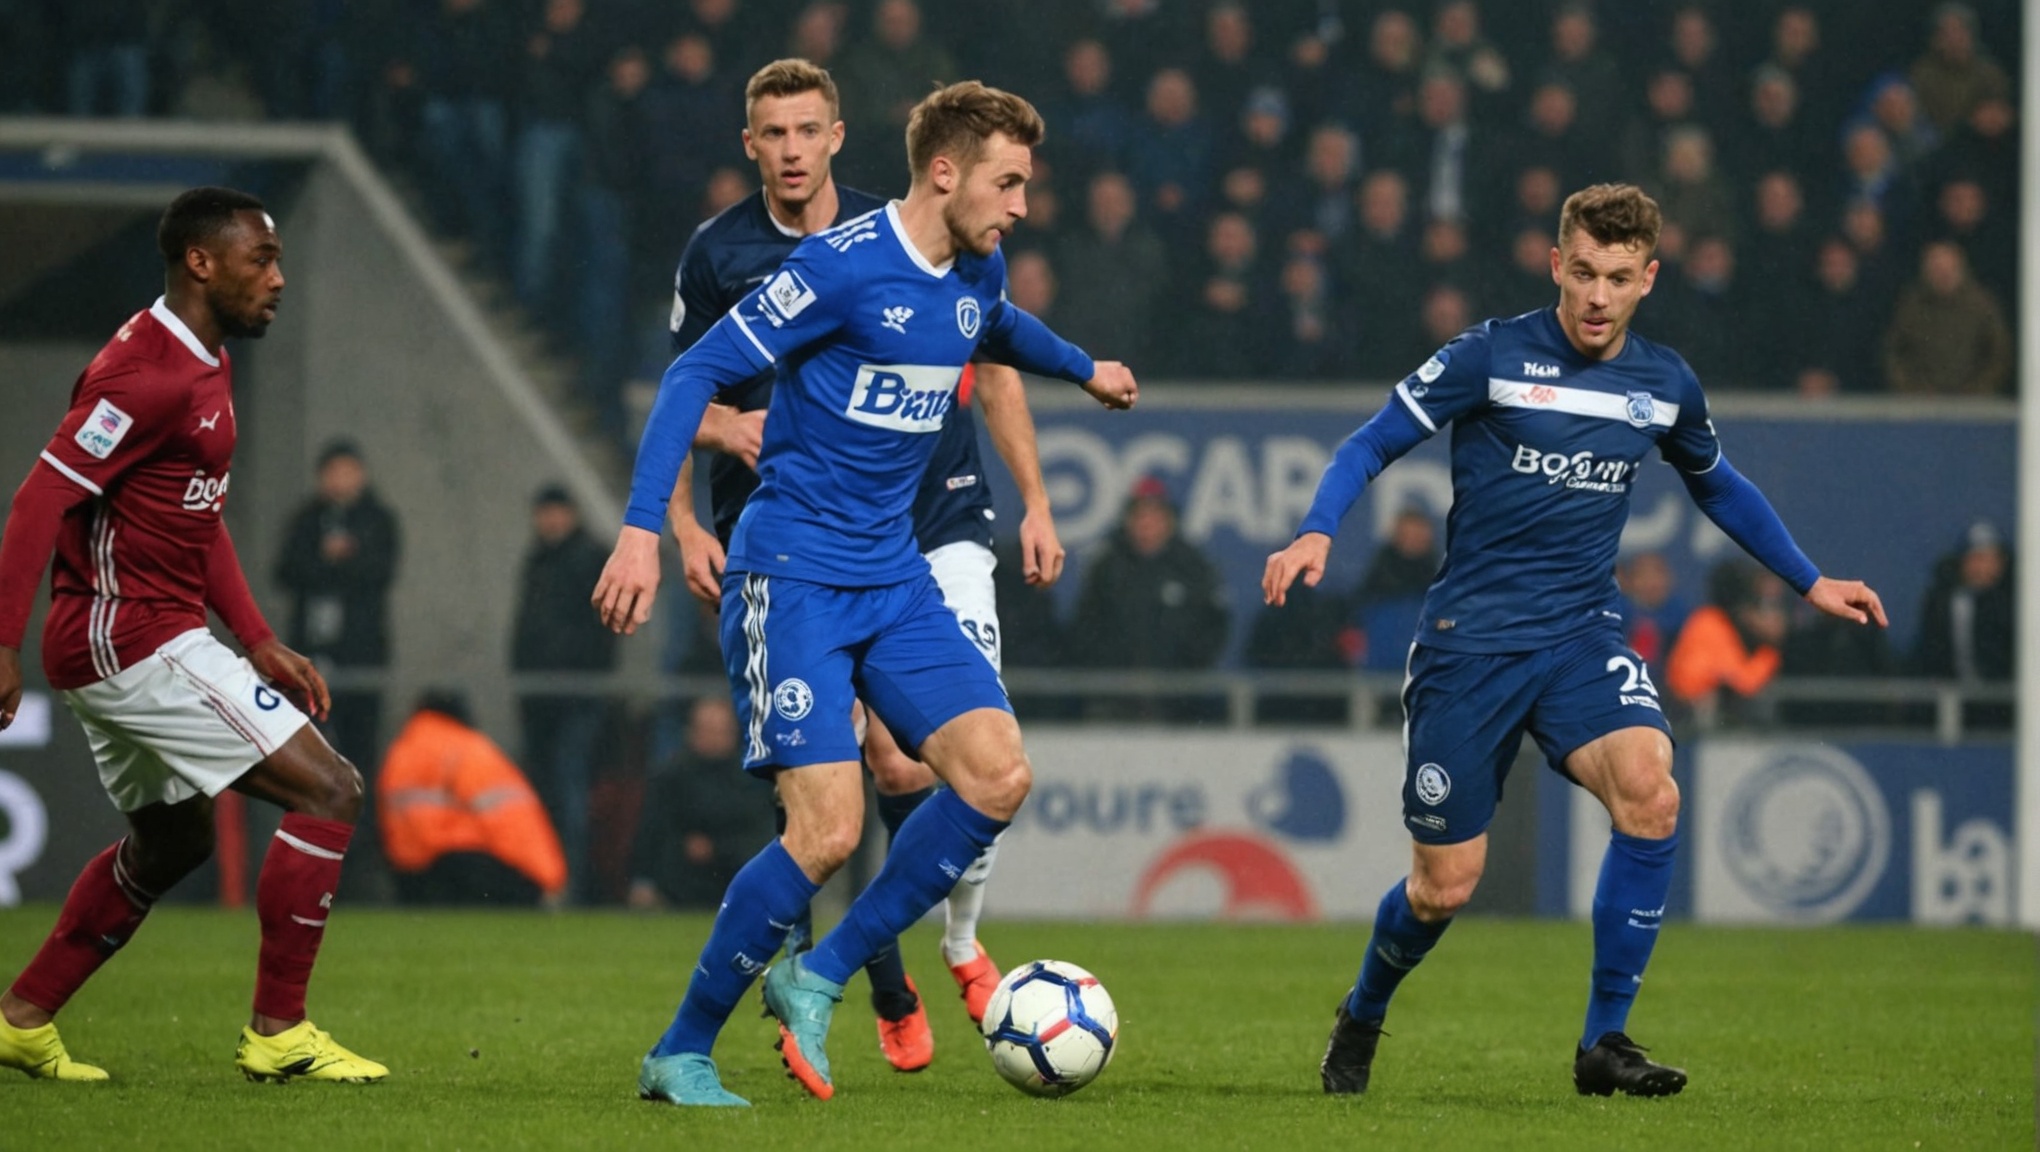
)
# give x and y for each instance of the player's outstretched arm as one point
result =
(1003, 396)
(732, 433)
(1304, 557)
(1848, 599)
(701, 554)
(1113, 385)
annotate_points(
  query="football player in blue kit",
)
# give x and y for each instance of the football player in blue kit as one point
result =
(792, 131)
(827, 599)
(1552, 414)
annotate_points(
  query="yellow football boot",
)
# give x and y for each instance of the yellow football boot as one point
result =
(39, 1052)
(302, 1052)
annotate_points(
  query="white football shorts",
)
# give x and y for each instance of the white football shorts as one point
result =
(189, 720)
(964, 572)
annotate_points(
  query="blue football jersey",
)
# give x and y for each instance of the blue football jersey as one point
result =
(869, 341)
(1545, 447)
(728, 257)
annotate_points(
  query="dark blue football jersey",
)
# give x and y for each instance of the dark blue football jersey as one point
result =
(1546, 445)
(727, 259)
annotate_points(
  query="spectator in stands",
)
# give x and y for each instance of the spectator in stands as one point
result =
(1553, 135)
(338, 561)
(1222, 322)
(1695, 198)
(563, 57)
(1092, 125)
(703, 815)
(607, 212)
(1321, 203)
(1796, 49)
(1967, 219)
(1835, 341)
(1948, 337)
(1457, 45)
(1774, 135)
(1653, 612)
(1696, 50)
(1667, 107)
(1587, 70)
(1376, 265)
(817, 34)
(1955, 75)
(1773, 286)
(1896, 109)
(1968, 618)
(459, 822)
(465, 60)
(1309, 344)
(1867, 228)
(1383, 87)
(1114, 272)
(1728, 650)
(1697, 310)
(1150, 598)
(554, 633)
(1258, 152)
(1031, 285)
(1404, 564)
(881, 80)
(1172, 157)
(1525, 285)
(1445, 312)
(685, 138)
(1230, 66)
(1445, 157)
(1987, 144)
(106, 43)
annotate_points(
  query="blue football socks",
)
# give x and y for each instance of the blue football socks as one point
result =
(764, 899)
(890, 996)
(934, 846)
(1629, 905)
(1400, 941)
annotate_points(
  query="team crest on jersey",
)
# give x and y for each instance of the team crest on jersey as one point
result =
(968, 316)
(788, 294)
(103, 429)
(793, 699)
(1642, 409)
(1433, 785)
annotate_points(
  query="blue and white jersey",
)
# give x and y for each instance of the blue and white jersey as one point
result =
(1545, 446)
(868, 340)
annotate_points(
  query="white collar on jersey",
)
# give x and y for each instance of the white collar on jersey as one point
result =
(170, 320)
(899, 230)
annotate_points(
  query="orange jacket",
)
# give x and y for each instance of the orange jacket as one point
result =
(1709, 654)
(445, 787)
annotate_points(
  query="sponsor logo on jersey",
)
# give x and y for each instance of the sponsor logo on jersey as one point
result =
(103, 430)
(1433, 785)
(1580, 470)
(267, 701)
(896, 318)
(209, 423)
(969, 315)
(955, 483)
(788, 295)
(203, 493)
(1536, 371)
(1540, 394)
(1642, 409)
(792, 698)
(903, 397)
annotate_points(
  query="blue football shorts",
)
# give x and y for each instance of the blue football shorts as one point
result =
(1464, 716)
(800, 654)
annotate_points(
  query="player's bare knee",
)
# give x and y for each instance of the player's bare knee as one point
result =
(1433, 901)
(1655, 814)
(337, 795)
(1003, 786)
(826, 847)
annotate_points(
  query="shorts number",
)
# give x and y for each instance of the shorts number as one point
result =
(1634, 675)
(985, 636)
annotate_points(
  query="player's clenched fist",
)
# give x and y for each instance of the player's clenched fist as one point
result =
(1304, 557)
(623, 596)
(1113, 385)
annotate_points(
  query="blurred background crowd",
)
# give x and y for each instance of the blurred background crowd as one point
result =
(1311, 189)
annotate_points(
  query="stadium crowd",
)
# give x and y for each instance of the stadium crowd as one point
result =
(1317, 189)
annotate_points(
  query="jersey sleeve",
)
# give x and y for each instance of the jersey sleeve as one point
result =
(697, 297)
(114, 422)
(1691, 445)
(1452, 383)
(1015, 337)
(802, 303)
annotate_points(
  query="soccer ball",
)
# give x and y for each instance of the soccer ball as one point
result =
(1051, 1028)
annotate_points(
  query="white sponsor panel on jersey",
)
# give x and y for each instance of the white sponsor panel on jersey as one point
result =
(103, 429)
(903, 397)
(1635, 408)
(1239, 826)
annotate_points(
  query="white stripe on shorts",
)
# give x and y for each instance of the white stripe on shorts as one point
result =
(757, 602)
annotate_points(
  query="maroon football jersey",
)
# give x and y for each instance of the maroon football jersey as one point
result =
(150, 433)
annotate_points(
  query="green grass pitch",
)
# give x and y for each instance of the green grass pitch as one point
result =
(524, 1031)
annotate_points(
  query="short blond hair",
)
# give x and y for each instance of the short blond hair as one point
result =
(955, 121)
(1617, 215)
(791, 77)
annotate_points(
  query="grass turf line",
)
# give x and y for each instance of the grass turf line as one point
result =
(1829, 1038)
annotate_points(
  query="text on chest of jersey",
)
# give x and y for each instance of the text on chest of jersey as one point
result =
(903, 397)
